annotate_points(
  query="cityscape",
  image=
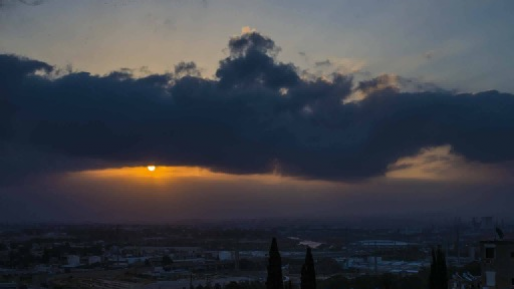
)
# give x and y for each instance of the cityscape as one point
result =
(256, 144)
(239, 254)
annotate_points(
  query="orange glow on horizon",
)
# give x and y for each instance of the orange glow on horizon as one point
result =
(148, 172)
(169, 174)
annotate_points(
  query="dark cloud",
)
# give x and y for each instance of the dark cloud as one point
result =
(187, 69)
(378, 83)
(257, 115)
(398, 83)
(251, 42)
(31, 2)
(252, 64)
(11, 3)
(14, 73)
(6, 114)
(324, 63)
(15, 70)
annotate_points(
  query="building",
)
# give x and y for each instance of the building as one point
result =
(73, 261)
(464, 281)
(497, 264)
(226, 256)
(487, 223)
(94, 260)
(383, 244)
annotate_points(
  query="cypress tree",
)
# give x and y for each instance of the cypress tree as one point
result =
(443, 270)
(274, 280)
(433, 272)
(308, 278)
(438, 278)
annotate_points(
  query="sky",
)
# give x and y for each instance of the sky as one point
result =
(255, 109)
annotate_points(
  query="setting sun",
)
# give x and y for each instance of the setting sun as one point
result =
(151, 168)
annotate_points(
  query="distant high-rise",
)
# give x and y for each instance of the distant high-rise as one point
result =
(274, 280)
(487, 223)
(308, 278)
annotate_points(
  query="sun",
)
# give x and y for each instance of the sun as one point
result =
(151, 168)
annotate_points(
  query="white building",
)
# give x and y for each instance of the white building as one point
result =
(73, 260)
(94, 260)
(226, 255)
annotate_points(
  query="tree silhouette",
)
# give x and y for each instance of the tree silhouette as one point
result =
(166, 260)
(274, 280)
(308, 278)
(438, 278)
(387, 281)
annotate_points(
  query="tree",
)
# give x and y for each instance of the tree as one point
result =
(387, 281)
(438, 278)
(308, 278)
(166, 260)
(274, 280)
(45, 259)
(232, 285)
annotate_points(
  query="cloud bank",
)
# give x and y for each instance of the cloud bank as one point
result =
(258, 115)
